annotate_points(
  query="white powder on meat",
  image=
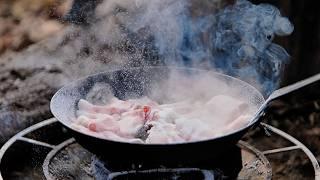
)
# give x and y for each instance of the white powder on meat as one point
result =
(185, 121)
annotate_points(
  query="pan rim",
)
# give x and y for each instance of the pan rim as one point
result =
(253, 119)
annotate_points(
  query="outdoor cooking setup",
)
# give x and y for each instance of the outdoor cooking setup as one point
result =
(189, 56)
(54, 153)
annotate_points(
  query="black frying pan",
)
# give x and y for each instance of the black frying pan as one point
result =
(137, 82)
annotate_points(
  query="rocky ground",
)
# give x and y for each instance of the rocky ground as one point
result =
(24, 22)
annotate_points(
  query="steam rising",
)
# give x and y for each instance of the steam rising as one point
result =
(244, 35)
(236, 40)
(178, 98)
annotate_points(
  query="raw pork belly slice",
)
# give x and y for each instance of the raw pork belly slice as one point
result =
(185, 121)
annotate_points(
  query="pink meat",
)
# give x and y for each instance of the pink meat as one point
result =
(116, 107)
(189, 120)
(108, 123)
(131, 122)
(225, 108)
(238, 123)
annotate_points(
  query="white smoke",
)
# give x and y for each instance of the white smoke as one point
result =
(236, 39)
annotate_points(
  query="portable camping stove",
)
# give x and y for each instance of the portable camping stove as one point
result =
(47, 151)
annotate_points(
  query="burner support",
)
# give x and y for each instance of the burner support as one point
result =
(297, 146)
(24, 138)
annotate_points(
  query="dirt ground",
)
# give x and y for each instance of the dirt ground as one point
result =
(32, 69)
(299, 117)
(24, 22)
(24, 94)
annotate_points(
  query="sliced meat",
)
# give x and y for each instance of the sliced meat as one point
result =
(145, 121)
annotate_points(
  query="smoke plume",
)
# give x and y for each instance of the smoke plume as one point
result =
(234, 39)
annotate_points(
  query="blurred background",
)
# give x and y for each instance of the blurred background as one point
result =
(25, 22)
(40, 45)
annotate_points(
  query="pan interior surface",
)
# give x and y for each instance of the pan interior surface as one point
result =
(162, 84)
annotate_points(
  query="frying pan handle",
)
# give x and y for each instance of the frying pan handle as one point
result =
(293, 87)
(283, 91)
